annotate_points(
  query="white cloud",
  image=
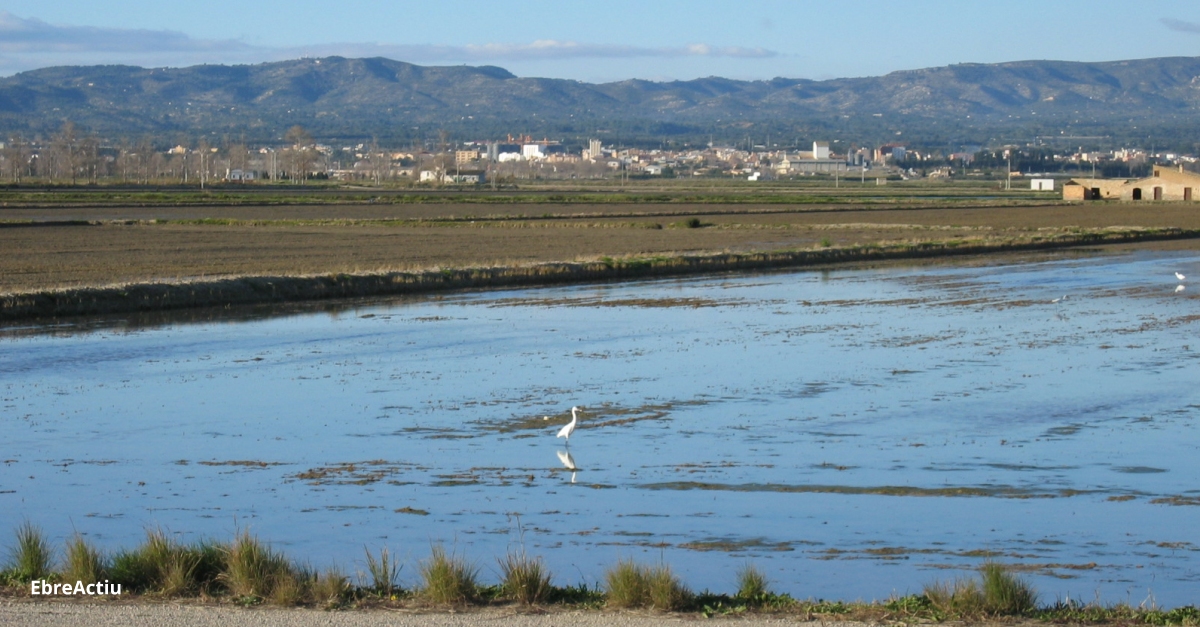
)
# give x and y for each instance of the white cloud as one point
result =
(31, 43)
(20, 36)
(542, 49)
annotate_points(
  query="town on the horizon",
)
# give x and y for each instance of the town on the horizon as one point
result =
(72, 157)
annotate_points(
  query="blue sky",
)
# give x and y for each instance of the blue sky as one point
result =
(601, 41)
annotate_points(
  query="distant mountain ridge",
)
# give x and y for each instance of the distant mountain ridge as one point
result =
(340, 97)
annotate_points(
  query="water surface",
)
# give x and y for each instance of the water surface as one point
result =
(855, 433)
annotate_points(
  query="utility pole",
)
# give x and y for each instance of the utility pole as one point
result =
(1008, 166)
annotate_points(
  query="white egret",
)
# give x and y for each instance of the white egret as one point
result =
(1180, 276)
(567, 430)
(1058, 300)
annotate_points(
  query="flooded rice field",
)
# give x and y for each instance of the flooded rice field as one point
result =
(855, 433)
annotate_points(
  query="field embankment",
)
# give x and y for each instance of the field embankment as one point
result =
(76, 259)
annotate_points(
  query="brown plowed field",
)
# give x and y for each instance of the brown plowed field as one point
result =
(123, 246)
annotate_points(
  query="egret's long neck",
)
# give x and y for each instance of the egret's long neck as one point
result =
(573, 416)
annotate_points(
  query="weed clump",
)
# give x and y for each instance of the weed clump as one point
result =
(524, 579)
(447, 579)
(666, 591)
(1006, 594)
(31, 557)
(83, 562)
(753, 586)
(690, 223)
(996, 593)
(331, 588)
(253, 571)
(383, 571)
(625, 584)
(162, 565)
(632, 585)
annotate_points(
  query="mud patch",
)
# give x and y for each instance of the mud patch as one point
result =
(353, 473)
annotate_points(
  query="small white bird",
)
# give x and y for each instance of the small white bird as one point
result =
(1180, 276)
(569, 428)
(1057, 300)
(1179, 288)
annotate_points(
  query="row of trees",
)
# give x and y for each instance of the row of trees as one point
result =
(72, 157)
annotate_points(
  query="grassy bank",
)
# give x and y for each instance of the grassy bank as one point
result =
(674, 192)
(249, 572)
(245, 290)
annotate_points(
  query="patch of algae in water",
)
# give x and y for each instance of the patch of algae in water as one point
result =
(992, 491)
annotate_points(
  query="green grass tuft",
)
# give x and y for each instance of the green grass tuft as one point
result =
(384, 572)
(665, 590)
(331, 589)
(286, 589)
(31, 557)
(1006, 594)
(633, 585)
(447, 579)
(996, 593)
(163, 565)
(753, 586)
(625, 585)
(524, 579)
(253, 570)
(83, 562)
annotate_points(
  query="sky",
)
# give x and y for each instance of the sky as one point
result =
(600, 41)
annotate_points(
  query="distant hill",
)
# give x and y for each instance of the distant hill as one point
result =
(347, 98)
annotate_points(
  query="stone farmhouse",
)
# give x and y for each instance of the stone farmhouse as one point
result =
(1164, 184)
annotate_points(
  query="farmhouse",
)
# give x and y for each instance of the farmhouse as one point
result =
(1164, 184)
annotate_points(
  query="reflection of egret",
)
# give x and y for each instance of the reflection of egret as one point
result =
(567, 430)
(1180, 276)
(1179, 288)
(568, 461)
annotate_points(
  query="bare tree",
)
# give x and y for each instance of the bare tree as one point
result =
(64, 149)
(301, 154)
(378, 162)
(239, 158)
(89, 161)
(16, 158)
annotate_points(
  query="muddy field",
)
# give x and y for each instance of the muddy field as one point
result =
(78, 246)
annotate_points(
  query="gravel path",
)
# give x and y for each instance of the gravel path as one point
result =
(74, 614)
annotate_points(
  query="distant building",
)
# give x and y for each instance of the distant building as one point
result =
(542, 149)
(463, 177)
(890, 152)
(819, 161)
(1165, 184)
(1041, 185)
(495, 149)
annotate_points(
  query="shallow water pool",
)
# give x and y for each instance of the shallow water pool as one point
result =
(855, 433)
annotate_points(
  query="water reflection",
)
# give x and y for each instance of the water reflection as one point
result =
(568, 461)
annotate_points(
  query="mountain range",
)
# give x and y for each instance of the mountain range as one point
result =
(335, 97)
